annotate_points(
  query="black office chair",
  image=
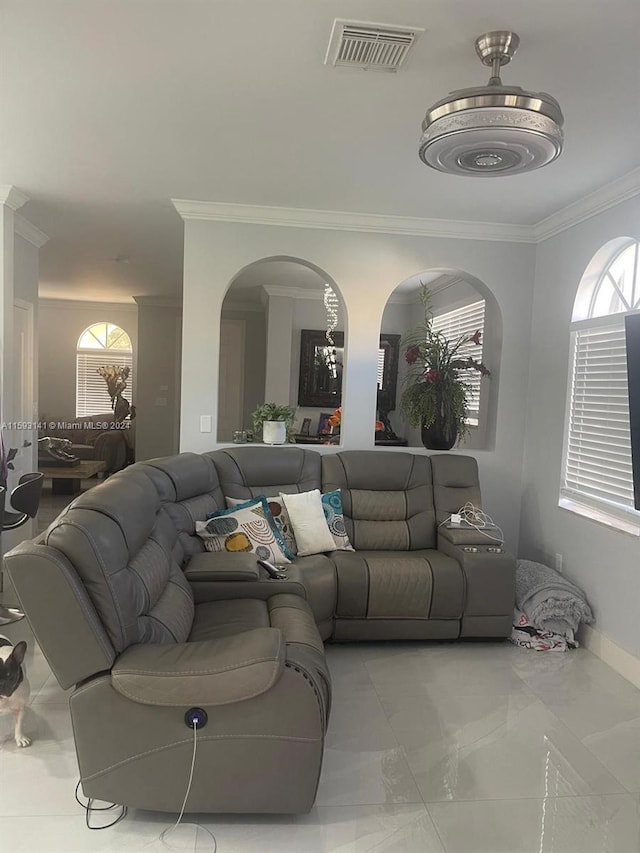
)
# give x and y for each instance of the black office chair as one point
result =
(25, 498)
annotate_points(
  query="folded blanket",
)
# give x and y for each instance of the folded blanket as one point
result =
(549, 600)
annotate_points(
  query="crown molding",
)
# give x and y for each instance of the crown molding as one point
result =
(297, 217)
(403, 298)
(293, 292)
(66, 304)
(159, 301)
(589, 205)
(578, 211)
(29, 232)
(12, 196)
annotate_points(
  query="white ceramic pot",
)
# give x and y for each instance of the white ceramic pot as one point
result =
(274, 432)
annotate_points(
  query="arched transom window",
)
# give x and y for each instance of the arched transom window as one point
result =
(597, 471)
(100, 345)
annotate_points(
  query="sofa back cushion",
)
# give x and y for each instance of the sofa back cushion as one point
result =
(455, 483)
(387, 498)
(188, 487)
(246, 472)
(121, 541)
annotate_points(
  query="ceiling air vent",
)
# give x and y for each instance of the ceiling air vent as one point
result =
(361, 44)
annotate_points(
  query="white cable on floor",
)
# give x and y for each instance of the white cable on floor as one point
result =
(163, 835)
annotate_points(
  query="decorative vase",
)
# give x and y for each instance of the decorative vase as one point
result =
(274, 432)
(438, 437)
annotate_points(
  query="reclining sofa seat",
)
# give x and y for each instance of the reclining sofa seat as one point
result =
(395, 585)
(409, 577)
(245, 473)
(115, 615)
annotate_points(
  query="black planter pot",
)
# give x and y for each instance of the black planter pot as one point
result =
(437, 437)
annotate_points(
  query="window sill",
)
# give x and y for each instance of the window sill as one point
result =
(601, 516)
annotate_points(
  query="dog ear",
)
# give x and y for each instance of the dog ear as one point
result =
(17, 655)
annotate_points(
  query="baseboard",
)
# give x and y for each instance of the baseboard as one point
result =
(624, 663)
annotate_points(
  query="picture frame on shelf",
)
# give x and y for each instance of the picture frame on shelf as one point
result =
(323, 423)
(305, 429)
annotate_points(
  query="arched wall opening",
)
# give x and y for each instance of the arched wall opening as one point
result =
(267, 307)
(451, 291)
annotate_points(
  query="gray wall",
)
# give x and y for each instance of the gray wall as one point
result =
(604, 561)
(61, 322)
(157, 395)
(254, 359)
(20, 284)
(367, 268)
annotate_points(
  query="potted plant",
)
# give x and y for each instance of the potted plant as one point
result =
(435, 394)
(274, 421)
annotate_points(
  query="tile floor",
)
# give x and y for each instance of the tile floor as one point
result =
(432, 748)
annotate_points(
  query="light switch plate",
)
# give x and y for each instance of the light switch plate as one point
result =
(205, 423)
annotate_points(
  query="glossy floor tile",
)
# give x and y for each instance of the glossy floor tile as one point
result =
(441, 747)
(339, 829)
(137, 833)
(366, 769)
(562, 825)
(431, 748)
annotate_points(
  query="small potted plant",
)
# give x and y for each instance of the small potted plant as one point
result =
(435, 394)
(274, 421)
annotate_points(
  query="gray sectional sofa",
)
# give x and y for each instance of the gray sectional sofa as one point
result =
(130, 609)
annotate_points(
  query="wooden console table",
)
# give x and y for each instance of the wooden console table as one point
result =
(68, 481)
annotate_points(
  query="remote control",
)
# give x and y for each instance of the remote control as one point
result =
(272, 570)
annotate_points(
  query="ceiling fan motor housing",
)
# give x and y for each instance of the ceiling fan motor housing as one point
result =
(492, 130)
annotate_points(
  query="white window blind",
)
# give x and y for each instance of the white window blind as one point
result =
(92, 396)
(598, 452)
(465, 321)
(380, 368)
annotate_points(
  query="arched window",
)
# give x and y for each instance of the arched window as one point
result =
(100, 345)
(597, 471)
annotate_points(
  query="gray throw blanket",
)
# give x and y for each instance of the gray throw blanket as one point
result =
(549, 600)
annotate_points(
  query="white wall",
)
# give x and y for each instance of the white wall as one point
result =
(61, 323)
(604, 562)
(26, 272)
(157, 382)
(367, 268)
(254, 359)
(18, 293)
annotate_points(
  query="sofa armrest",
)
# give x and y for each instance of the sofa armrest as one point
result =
(211, 672)
(490, 577)
(222, 566)
(470, 536)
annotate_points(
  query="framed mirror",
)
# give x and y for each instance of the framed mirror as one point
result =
(320, 381)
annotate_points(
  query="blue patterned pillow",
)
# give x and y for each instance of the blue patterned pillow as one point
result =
(332, 506)
(281, 522)
(249, 526)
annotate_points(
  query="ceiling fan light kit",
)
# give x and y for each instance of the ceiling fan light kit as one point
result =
(492, 130)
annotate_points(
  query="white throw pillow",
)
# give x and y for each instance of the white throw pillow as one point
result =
(309, 523)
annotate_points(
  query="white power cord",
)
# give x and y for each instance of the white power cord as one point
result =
(163, 835)
(472, 516)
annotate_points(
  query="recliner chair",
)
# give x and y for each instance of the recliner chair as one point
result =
(142, 653)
